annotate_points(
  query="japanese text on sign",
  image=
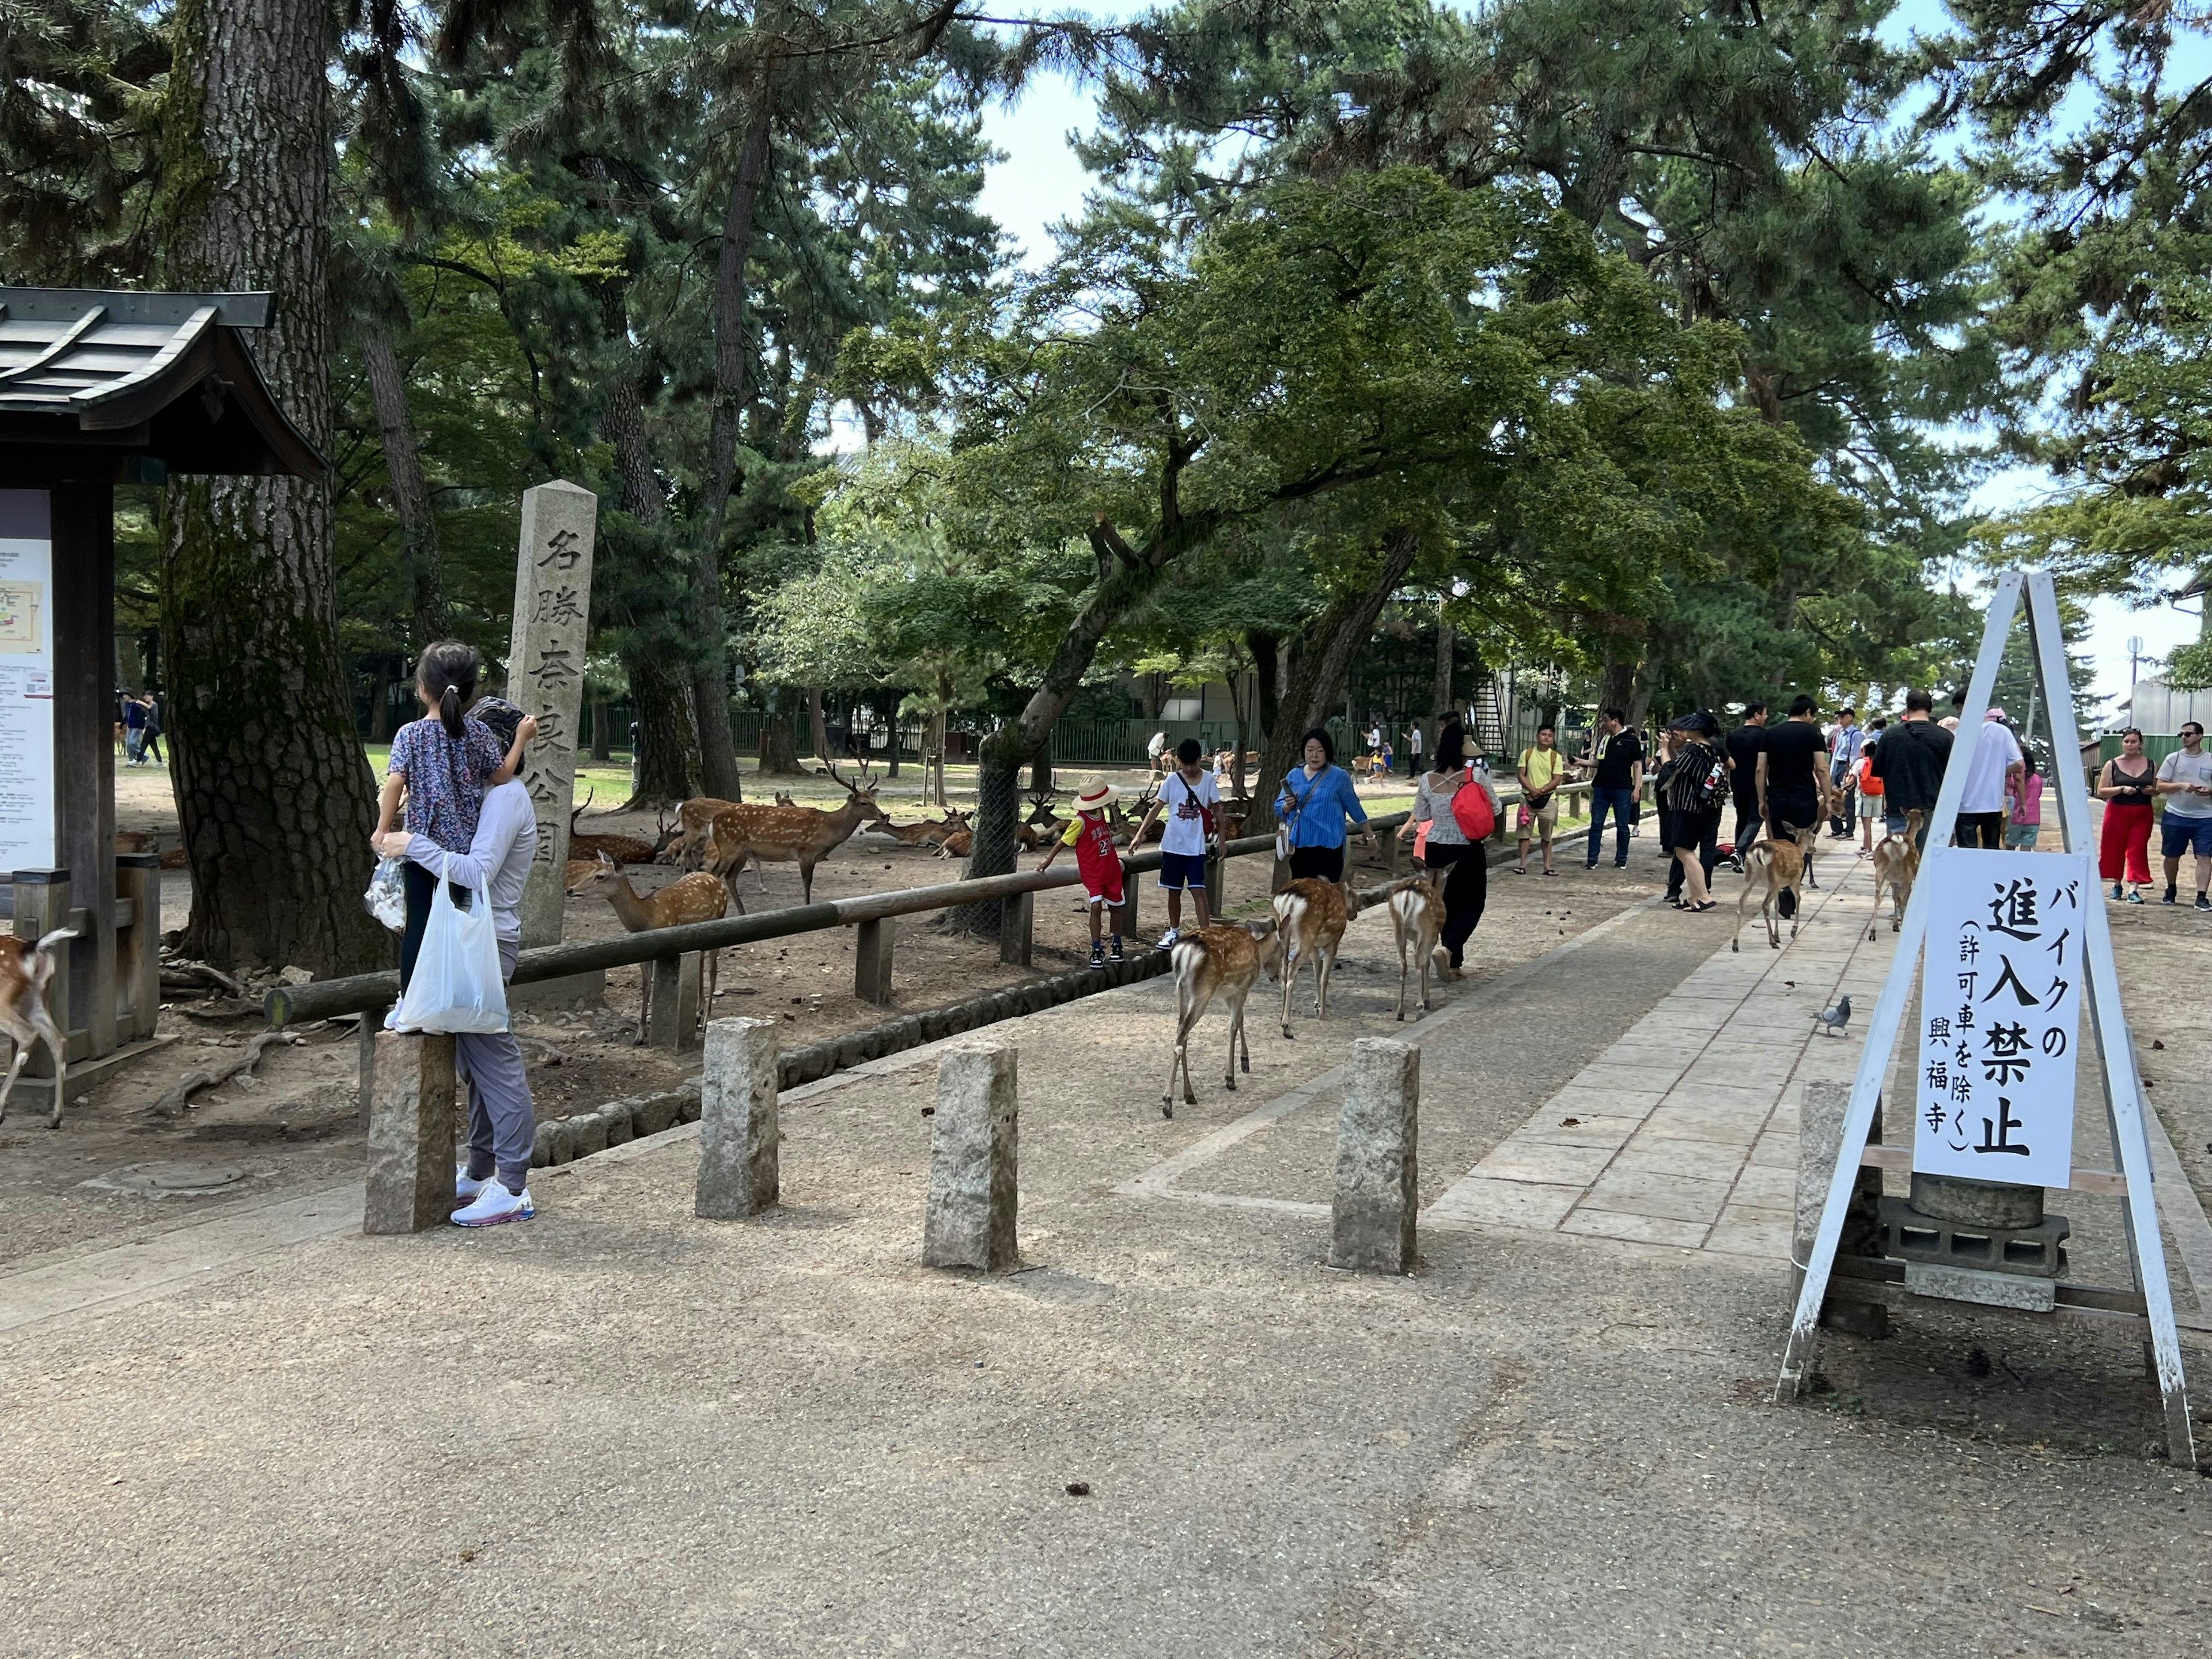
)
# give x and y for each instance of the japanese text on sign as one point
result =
(2000, 1005)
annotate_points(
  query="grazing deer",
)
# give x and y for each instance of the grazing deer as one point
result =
(1897, 866)
(697, 896)
(1310, 915)
(1224, 958)
(807, 834)
(584, 848)
(24, 971)
(1770, 868)
(1417, 920)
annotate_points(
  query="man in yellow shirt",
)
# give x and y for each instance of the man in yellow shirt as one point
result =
(1541, 770)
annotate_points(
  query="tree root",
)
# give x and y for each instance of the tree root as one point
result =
(178, 1098)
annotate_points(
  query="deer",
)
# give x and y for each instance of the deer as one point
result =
(25, 969)
(627, 850)
(1125, 823)
(1770, 867)
(1897, 866)
(1223, 959)
(785, 797)
(1310, 915)
(1417, 920)
(697, 896)
(807, 834)
(929, 832)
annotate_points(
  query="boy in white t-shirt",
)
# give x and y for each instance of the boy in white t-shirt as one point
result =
(1188, 796)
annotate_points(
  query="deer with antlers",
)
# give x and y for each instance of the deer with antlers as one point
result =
(697, 896)
(1310, 917)
(1223, 959)
(627, 850)
(1896, 866)
(1416, 922)
(25, 969)
(803, 835)
(929, 832)
(1770, 868)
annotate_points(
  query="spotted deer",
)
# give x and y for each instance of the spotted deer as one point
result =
(1416, 922)
(697, 896)
(929, 832)
(25, 969)
(1770, 868)
(803, 834)
(1223, 959)
(1310, 915)
(584, 847)
(1896, 866)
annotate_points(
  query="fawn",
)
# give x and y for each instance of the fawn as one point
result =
(1417, 920)
(1769, 869)
(25, 968)
(1310, 915)
(1896, 866)
(697, 896)
(1223, 959)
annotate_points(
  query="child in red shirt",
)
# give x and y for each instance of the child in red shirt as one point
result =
(1097, 857)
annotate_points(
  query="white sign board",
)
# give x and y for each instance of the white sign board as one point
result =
(27, 681)
(2000, 1007)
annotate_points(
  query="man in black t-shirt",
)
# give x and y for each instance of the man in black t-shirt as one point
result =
(1793, 771)
(1617, 781)
(1743, 746)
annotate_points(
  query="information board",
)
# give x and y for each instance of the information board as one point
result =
(2000, 1009)
(27, 681)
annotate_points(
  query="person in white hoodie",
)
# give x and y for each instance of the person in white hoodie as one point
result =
(494, 1186)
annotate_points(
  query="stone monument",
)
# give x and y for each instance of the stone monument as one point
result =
(545, 677)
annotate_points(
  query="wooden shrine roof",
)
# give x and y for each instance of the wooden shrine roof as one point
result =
(133, 384)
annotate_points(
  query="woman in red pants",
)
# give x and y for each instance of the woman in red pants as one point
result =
(2126, 785)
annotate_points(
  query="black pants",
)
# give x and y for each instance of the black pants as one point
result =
(1982, 829)
(152, 751)
(1747, 822)
(1467, 891)
(1667, 832)
(1327, 862)
(1791, 813)
(421, 887)
(1701, 830)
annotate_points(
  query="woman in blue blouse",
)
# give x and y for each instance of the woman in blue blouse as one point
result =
(1317, 799)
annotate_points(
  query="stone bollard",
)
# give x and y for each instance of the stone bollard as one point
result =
(973, 1193)
(1377, 1190)
(739, 1168)
(410, 1135)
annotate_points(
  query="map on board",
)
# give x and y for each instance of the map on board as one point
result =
(20, 602)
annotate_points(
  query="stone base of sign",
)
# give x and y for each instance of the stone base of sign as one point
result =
(1977, 1203)
(1821, 1110)
(974, 1188)
(1989, 1290)
(568, 993)
(2037, 1252)
(1377, 1196)
(738, 1173)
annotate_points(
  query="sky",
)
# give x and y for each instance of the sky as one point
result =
(1039, 182)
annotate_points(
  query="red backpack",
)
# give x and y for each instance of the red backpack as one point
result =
(1471, 809)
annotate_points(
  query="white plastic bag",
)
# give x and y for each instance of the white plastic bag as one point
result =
(387, 898)
(456, 985)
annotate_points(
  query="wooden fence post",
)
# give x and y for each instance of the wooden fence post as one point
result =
(872, 945)
(1017, 930)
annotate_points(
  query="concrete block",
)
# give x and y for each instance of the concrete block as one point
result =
(410, 1135)
(973, 1191)
(1377, 1199)
(688, 1104)
(1991, 1290)
(651, 1114)
(1821, 1111)
(738, 1173)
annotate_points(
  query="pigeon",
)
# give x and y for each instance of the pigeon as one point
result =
(1833, 1020)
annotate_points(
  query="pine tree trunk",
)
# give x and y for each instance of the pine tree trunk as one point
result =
(275, 797)
(602, 739)
(1266, 652)
(818, 732)
(667, 746)
(410, 492)
(779, 750)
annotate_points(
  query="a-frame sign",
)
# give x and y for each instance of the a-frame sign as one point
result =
(2123, 1102)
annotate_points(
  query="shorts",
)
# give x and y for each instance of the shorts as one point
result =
(1547, 816)
(2187, 834)
(1179, 871)
(1870, 807)
(2021, 838)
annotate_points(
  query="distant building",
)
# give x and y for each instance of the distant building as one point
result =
(2159, 711)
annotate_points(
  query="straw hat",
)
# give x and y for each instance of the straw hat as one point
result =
(1096, 792)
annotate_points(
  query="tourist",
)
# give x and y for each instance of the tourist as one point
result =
(1155, 747)
(1696, 790)
(1910, 762)
(1868, 787)
(1387, 758)
(493, 1185)
(1615, 783)
(444, 761)
(1190, 797)
(1098, 860)
(1662, 776)
(2127, 784)
(1414, 748)
(1992, 779)
(1316, 799)
(2184, 778)
(1540, 769)
(1845, 745)
(2028, 805)
(1743, 746)
(151, 748)
(1467, 887)
(1793, 771)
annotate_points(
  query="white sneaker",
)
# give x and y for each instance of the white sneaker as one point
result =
(493, 1204)
(1168, 938)
(466, 1186)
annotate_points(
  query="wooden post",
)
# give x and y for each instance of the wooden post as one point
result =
(675, 989)
(1217, 884)
(1123, 918)
(872, 968)
(42, 906)
(82, 652)
(1017, 930)
(410, 1135)
(138, 947)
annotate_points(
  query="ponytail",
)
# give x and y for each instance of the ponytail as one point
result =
(449, 713)
(447, 674)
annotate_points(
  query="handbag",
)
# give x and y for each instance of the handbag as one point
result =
(1283, 825)
(456, 986)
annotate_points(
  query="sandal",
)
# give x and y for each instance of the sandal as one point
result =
(1520, 869)
(1708, 905)
(1551, 872)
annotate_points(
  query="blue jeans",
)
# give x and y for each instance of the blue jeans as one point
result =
(1622, 803)
(1894, 823)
